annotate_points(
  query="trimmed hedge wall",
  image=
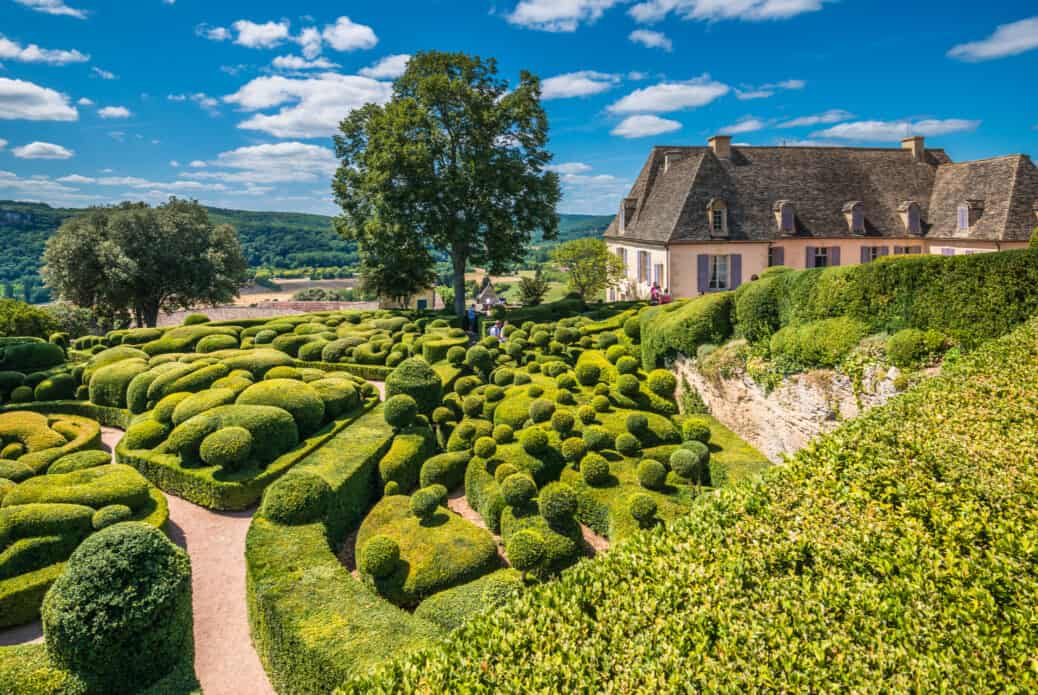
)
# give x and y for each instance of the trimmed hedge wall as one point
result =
(911, 569)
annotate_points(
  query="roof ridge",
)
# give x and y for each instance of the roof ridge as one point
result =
(1012, 195)
(1017, 155)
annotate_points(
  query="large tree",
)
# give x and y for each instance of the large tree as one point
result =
(140, 260)
(589, 266)
(454, 162)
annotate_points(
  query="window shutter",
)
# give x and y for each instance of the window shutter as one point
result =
(898, 250)
(810, 256)
(736, 259)
(884, 251)
(948, 252)
(778, 255)
(703, 262)
(864, 254)
(834, 255)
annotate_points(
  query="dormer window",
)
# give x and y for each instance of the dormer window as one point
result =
(717, 214)
(785, 217)
(968, 214)
(964, 218)
(911, 217)
(854, 212)
(627, 210)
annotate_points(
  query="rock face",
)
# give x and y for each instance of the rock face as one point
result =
(804, 405)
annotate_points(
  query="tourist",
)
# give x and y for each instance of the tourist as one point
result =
(665, 298)
(470, 319)
(654, 294)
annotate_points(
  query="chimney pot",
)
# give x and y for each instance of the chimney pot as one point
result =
(721, 145)
(916, 145)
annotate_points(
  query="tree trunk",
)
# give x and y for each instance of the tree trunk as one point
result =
(458, 261)
(147, 315)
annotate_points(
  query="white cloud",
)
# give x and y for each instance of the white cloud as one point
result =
(56, 7)
(577, 84)
(651, 39)
(311, 107)
(283, 162)
(212, 33)
(210, 104)
(11, 50)
(198, 164)
(558, 15)
(139, 184)
(644, 126)
(830, 116)
(894, 131)
(174, 163)
(85, 102)
(42, 150)
(114, 112)
(39, 188)
(266, 35)
(570, 168)
(753, 94)
(637, 76)
(27, 101)
(103, 74)
(790, 84)
(300, 63)
(345, 35)
(309, 41)
(388, 68)
(3, 143)
(745, 125)
(766, 91)
(652, 11)
(671, 96)
(1008, 40)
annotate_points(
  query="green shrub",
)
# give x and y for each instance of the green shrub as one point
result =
(195, 319)
(627, 444)
(78, 461)
(472, 406)
(29, 356)
(682, 327)
(145, 434)
(300, 400)
(298, 498)
(119, 617)
(415, 378)
(485, 447)
(574, 449)
(643, 509)
(108, 384)
(59, 387)
(227, 448)
(379, 557)
(534, 441)
(338, 395)
(518, 489)
(819, 343)
(595, 470)
(562, 422)
(662, 383)
(695, 429)
(541, 410)
(627, 365)
(22, 394)
(692, 461)
(198, 403)
(400, 411)
(633, 329)
(503, 434)
(110, 515)
(597, 438)
(652, 475)
(587, 374)
(424, 503)
(628, 385)
(447, 470)
(213, 343)
(525, 550)
(601, 404)
(557, 503)
(587, 414)
(910, 347)
(479, 358)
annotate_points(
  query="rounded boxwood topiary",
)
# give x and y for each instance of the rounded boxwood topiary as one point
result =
(652, 475)
(614, 353)
(587, 374)
(627, 444)
(573, 449)
(466, 385)
(601, 389)
(22, 394)
(600, 404)
(479, 359)
(379, 557)
(456, 355)
(400, 411)
(119, 616)
(145, 434)
(541, 410)
(534, 441)
(533, 368)
(493, 394)
(297, 498)
(110, 515)
(662, 383)
(606, 340)
(637, 424)
(628, 385)
(59, 387)
(485, 447)
(557, 503)
(195, 319)
(565, 381)
(586, 414)
(415, 378)
(300, 400)
(442, 415)
(633, 329)
(597, 438)
(424, 502)
(690, 460)
(595, 470)
(562, 422)
(695, 429)
(525, 550)
(518, 489)
(78, 461)
(283, 372)
(213, 343)
(391, 488)
(643, 509)
(472, 406)
(503, 434)
(504, 471)
(504, 376)
(627, 365)
(227, 448)
(535, 391)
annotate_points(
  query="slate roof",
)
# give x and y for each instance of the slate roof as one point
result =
(820, 182)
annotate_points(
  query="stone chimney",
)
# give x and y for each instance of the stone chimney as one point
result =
(917, 145)
(721, 145)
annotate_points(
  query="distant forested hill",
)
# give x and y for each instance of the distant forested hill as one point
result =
(270, 239)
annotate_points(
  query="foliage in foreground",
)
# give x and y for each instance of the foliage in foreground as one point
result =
(896, 554)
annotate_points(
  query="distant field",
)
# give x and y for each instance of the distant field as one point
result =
(254, 294)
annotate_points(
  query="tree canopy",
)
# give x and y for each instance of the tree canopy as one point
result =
(136, 260)
(589, 265)
(455, 161)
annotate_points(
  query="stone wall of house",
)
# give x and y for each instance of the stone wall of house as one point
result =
(783, 421)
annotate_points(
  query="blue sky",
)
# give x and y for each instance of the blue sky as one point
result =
(234, 103)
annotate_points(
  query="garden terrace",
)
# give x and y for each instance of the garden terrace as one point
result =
(895, 553)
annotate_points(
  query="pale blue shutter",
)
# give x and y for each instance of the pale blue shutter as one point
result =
(778, 256)
(884, 251)
(703, 272)
(834, 255)
(736, 260)
(810, 257)
(864, 254)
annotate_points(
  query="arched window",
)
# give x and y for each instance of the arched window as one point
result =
(785, 216)
(854, 212)
(911, 217)
(717, 217)
(964, 218)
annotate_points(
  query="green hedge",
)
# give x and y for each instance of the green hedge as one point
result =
(313, 624)
(683, 326)
(895, 554)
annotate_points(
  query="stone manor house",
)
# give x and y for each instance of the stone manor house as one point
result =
(706, 219)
